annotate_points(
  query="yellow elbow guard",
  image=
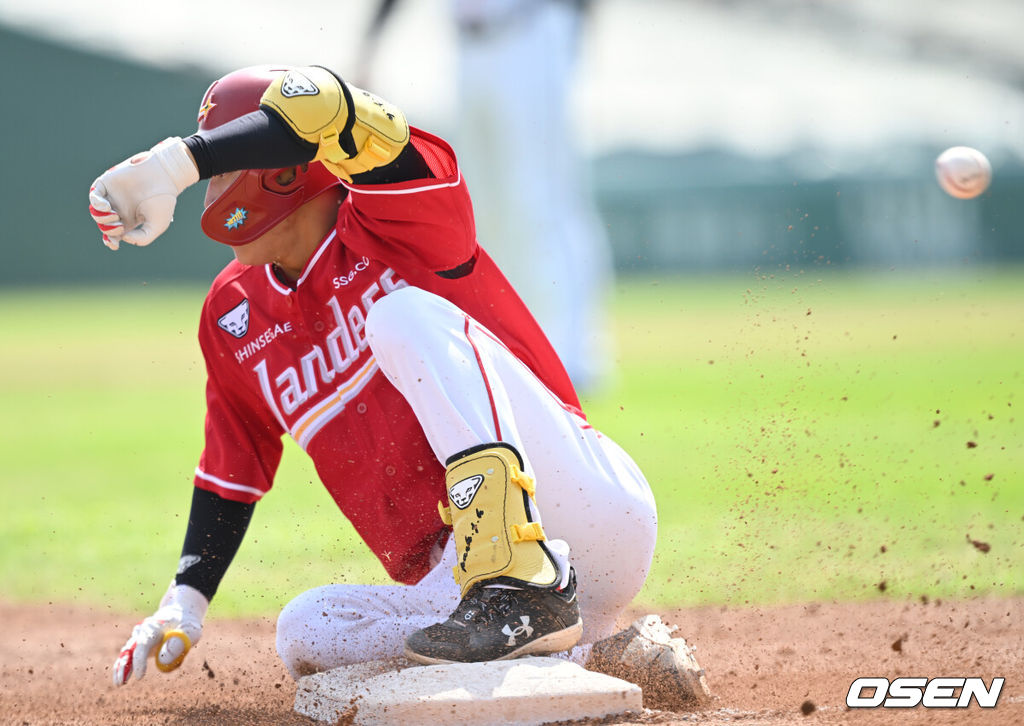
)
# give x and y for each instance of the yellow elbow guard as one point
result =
(495, 530)
(354, 130)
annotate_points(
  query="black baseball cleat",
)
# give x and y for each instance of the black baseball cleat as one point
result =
(494, 623)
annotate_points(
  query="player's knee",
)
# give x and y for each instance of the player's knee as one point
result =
(389, 314)
(315, 629)
(292, 634)
(300, 631)
(402, 316)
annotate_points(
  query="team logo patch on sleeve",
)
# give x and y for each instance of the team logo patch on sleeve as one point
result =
(461, 493)
(236, 320)
(296, 84)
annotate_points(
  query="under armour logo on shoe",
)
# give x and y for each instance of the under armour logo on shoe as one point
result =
(523, 629)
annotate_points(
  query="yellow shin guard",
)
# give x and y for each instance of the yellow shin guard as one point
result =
(496, 535)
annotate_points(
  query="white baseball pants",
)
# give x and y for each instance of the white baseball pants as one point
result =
(467, 388)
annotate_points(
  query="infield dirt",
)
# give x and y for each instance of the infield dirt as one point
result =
(765, 665)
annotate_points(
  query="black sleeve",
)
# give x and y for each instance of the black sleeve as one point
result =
(261, 140)
(258, 140)
(216, 527)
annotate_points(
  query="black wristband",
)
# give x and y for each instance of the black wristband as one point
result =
(216, 527)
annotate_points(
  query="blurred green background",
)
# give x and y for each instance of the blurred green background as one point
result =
(819, 353)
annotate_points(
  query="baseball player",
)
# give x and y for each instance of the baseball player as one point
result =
(361, 318)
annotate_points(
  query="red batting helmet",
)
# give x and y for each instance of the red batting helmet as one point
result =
(259, 198)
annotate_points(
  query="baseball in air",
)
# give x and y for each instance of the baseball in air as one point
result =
(963, 172)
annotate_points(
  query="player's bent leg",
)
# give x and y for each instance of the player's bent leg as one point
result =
(467, 388)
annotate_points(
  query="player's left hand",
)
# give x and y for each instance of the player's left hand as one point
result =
(134, 201)
(182, 610)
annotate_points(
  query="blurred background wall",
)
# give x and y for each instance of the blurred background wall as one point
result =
(725, 135)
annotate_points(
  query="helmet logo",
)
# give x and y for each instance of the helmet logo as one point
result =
(236, 218)
(296, 84)
(204, 111)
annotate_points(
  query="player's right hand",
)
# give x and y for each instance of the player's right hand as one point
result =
(182, 608)
(134, 201)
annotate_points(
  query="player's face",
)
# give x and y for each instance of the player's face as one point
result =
(290, 242)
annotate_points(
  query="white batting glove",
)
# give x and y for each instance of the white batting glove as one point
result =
(182, 608)
(134, 201)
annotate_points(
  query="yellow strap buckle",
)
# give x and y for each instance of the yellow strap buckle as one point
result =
(330, 149)
(523, 481)
(531, 532)
(376, 147)
(445, 512)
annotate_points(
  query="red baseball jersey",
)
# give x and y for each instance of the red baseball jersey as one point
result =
(296, 361)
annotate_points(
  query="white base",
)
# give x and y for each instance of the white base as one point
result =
(506, 693)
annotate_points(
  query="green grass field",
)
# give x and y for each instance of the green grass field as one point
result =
(809, 436)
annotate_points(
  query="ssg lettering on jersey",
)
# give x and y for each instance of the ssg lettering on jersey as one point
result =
(310, 380)
(343, 280)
